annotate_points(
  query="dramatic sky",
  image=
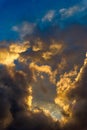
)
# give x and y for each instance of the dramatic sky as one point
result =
(43, 64)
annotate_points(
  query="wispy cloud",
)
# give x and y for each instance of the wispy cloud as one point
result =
(62, 16)
(65, 13)
(49, 16)
(71, 11)
(24, 29)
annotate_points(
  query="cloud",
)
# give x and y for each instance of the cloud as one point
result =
(79, 9)
(64, 16)
(11, 53)
(49, 16)
(72, 98)
(41, 83)
(33, 121)
(24, 29)
(12, 94)
(80, 106)
(66, 13)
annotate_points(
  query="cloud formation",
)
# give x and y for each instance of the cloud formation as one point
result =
(41, 84)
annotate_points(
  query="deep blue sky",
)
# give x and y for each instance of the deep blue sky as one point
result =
(15, 12)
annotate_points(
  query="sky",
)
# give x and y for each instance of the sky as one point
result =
(43, 65)
(14, 13)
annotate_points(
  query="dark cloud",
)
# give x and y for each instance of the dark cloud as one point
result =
(75, 95)
(13, 91)
(33, 121)
(14, 113)
(13, 110)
